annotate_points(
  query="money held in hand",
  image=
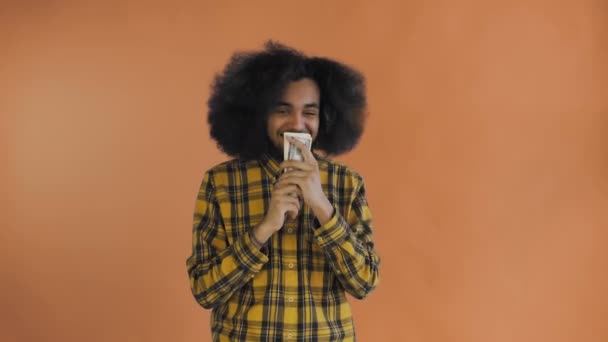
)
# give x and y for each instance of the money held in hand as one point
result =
(291, 151)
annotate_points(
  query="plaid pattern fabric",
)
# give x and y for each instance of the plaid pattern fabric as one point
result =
(293, 288)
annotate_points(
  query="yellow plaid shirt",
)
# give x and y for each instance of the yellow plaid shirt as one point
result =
(293, 288)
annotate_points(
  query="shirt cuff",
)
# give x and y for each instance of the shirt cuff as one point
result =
(333, 232)
(248, 254)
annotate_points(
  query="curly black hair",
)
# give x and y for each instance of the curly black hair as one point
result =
(244, 93)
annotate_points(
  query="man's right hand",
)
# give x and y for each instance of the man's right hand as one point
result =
(284, 202)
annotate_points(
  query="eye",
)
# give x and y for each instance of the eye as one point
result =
(311, 113)
(281, 111)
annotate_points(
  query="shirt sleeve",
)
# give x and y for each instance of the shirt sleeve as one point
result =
(215, 269)
(348, 244)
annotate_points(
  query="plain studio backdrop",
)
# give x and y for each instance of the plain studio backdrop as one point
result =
(485, 157)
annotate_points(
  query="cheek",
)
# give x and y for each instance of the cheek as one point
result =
(275, 124)
(313, 124)
(272, 126)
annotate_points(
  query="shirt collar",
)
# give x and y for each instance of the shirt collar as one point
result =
(270, 165)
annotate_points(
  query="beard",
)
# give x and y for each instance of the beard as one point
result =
(274, 151)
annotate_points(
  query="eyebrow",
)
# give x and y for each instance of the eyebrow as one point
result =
(308, 105)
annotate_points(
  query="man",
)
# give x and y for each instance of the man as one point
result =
(277, 244)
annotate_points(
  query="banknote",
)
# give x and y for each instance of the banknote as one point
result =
(290, 151)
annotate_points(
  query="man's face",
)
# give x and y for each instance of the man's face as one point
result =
(297, 111)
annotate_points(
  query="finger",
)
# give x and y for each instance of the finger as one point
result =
(306, 154)
(293, 196)
(286, 189)
(296, 182)
(291, 215)
(292, 212)
(294, 165)
(289, 197)
(283, 183)
(294, 174)
(279, 184)
(290, 203)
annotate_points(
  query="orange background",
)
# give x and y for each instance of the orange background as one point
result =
(485, 158)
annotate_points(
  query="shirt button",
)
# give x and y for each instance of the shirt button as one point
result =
(290, 299)
(289, 335)
(290, 265)
(290, 230)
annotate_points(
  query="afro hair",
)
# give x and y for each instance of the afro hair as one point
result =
(245, 92)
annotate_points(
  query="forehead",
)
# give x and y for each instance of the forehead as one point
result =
(301, 91)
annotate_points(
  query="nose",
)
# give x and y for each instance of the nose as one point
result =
(297, 121)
